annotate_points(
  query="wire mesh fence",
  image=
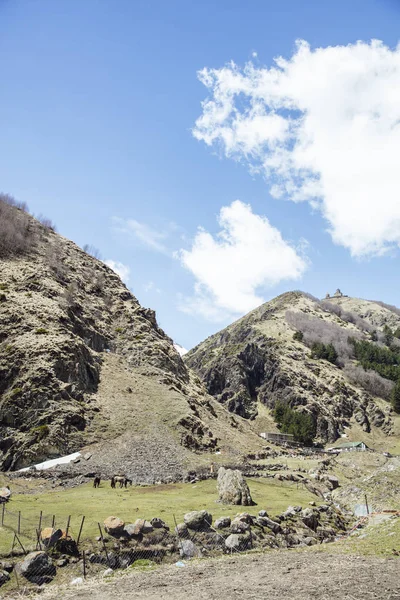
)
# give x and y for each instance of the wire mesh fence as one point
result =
(43, 549)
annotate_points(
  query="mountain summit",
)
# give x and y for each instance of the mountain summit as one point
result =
(304, 352)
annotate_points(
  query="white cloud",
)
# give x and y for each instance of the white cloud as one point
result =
(322, 127)
(150, 286)
(146, 235)
(120, 269)
(248, 253)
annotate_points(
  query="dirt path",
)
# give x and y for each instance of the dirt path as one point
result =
(273, 576)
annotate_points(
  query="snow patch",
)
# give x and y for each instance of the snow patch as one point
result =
(48, 464)
(180, 349)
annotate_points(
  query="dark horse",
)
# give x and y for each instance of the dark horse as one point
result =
(96, 481)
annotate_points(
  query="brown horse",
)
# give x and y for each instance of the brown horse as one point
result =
(96, 481)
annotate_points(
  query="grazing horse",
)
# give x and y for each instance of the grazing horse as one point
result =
(113, 482)
(119, 479)
(96, 481)
(127, 481)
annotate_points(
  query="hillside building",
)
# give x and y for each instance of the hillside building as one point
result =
(349, 447)
(278, 438)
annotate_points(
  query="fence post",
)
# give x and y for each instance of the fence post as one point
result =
(3, 508)
(366, 502)
(19, 522)
(80, 530)
(104, 546)
(84, 564)
(67, 528)
(40, 521)
(53, 521)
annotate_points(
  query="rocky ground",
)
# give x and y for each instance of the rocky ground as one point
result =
(276, 576)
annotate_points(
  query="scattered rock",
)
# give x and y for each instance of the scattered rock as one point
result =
(37, 567)
(310, 518)
(182, 530)
(198, 520)
(114, 526)
(222, 523)
(5, 494)
(62, 562)
(4, 577)
(232, 488)
(158, 524)
(188, 549)
(49, 536)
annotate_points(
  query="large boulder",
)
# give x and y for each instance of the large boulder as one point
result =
(232, 488)
(37, 567)
(114, 526)
(198, 520)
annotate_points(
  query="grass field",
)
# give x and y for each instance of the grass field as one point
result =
(164, 501)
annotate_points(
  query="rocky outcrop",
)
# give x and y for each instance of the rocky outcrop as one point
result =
(256, 360)
(232, 488)
(67, 325)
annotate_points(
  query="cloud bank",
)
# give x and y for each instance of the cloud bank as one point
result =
(119, 268)
(322, 127)
(248, 253)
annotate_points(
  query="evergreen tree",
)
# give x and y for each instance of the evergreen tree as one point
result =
(396, 397)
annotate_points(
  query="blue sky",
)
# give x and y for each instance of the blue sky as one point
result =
(99, 100)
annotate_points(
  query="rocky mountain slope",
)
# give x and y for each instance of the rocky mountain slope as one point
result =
(265, 357)
(83, 363)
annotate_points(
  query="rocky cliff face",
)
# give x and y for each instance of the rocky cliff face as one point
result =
(70, 333)
(256, 361)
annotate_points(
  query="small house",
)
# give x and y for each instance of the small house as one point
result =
(349, 447)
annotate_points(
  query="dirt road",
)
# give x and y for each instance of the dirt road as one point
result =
(272, 576)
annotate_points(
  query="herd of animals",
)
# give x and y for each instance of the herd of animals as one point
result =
(122, 480)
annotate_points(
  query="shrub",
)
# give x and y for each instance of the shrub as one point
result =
(370, 380)
(298, 336)
(3, 298)
(15, 392)
(41, 431)
(41, 331)
(47, 223)
(17, 235)
(316, 329)
(89, 249)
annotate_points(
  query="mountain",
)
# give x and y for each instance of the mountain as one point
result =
(275, 355)
(84, 366)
